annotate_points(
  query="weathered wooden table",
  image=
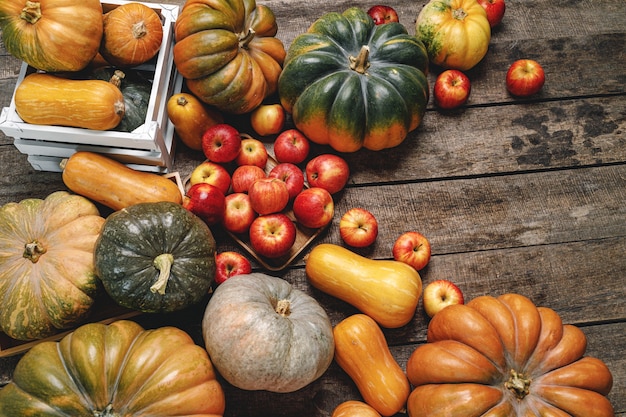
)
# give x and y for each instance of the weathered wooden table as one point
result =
(524, 196)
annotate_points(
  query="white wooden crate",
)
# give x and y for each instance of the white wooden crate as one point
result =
(150, 147)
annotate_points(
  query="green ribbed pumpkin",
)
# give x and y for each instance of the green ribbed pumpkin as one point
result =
(155, 257)
(352, 84)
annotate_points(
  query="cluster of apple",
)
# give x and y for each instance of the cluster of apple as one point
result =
(238, 188)
(524, 78)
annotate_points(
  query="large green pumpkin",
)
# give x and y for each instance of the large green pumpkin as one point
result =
(350, 83)
(47, 277)
(155, 257)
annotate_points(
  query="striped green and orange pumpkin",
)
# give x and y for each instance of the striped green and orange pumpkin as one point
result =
(47, 278)
(352, 84)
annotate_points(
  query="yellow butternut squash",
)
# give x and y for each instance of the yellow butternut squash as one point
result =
(386, 290)
(45, 99)
(191, 118)
(362, 352)
(114, 184)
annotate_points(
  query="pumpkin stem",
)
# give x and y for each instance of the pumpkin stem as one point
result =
(283, 308)
(459, 14)
(31, 12)
(361, 63)
(139, 30)
(116, 78)
(518, 384)
(245, 39)
(33, 251)
(163, 263)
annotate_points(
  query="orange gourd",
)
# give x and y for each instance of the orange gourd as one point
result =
(505, 357)
(132, 34)
(114, 184)
(386, 290)
(191, 118)
(354, 408)
(46, 99)
(362, 352)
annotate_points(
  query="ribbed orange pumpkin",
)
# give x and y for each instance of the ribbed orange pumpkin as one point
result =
(118, 369)
(504, 356)
(227, 52)
(133, 33)
(52, 35)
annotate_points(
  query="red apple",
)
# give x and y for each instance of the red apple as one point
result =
(525, 77)
(495, 11)
(238, 213)
(205, 201)
(230, 263)
(314, 207)
(413, 249)
(268, 119)
(358, 227)
(211, 173)
(452, 89)
(243, 177)
(382, 14)
(272, 235)
(268, 195)
(328, 171)
(291, 146)
(291, 175)
(440, 294)
(221, 143)
(252, 152)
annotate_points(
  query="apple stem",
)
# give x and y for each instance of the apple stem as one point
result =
(361, 63)
(163, 263)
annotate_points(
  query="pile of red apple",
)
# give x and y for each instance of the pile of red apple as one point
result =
(254, 199)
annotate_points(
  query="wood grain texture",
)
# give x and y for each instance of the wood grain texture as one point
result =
(524, 196)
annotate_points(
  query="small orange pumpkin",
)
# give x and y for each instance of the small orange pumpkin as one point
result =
(133, 33)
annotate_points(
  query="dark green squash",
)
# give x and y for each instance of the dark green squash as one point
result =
(350, 83)
(136, 87)
(155, 257)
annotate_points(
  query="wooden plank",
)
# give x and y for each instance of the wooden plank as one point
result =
(570, 277)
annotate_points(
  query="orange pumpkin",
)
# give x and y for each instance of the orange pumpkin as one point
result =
(118, 369)
(227, 52)
(52, 35)
(505, 357)
(132, 34)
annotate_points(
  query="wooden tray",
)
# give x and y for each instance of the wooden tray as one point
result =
(304, 235)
